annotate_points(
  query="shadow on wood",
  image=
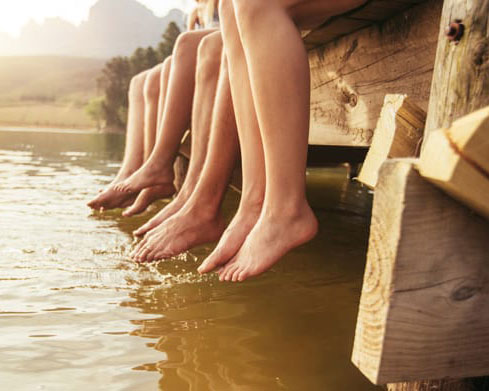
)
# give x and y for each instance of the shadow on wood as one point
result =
(398, 134)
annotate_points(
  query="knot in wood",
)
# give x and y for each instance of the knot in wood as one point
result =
(481, 53)
(455, 31)
(465, 293)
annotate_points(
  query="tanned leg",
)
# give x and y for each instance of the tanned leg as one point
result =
(205, 91)
(199, 221)
(155, 90)
(158, 169)
(134, 150)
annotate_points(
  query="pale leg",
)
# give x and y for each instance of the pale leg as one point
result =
(251, 148)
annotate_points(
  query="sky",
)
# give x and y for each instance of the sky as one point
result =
(16, 13)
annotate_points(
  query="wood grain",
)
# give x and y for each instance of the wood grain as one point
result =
(351, 76)
(424, 310)
(398, 134)
(461, 77)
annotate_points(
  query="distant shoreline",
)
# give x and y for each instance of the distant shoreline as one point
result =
(40, 129)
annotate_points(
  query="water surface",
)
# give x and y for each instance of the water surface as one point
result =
(77, 314)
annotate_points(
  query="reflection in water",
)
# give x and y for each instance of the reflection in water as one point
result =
(74, 311)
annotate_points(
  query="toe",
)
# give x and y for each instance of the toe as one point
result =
(143, 254)
(237, 272)
(243, 275)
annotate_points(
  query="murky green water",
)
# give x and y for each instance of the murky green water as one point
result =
(77, 314)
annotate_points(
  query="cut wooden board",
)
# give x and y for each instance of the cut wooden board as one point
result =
(351, 76)
(398, 134)
(424, 309)
(442, 165)
(470, 137)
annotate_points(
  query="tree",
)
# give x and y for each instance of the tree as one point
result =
(95, 110)
(118, 72)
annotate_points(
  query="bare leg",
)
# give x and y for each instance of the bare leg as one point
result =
(205, 91)
(155, 90)
(279, 75)
(158, 169)
(134, 150)
(253, 162)
(199, 221)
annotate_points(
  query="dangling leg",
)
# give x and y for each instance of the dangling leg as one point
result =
(155, 91)
(158, 169)
(134, 150)
(199, 221)
(205, 91)
(253, 162)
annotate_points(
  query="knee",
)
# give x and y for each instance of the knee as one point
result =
(209, 57)
(152, 84)
(136, 86)
(185, 43)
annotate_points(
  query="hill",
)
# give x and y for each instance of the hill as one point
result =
(47, 90)
(113, 28)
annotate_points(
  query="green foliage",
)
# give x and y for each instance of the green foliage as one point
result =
(95, 110)
(118, 72)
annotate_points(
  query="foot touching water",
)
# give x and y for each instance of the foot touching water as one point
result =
(271, 238)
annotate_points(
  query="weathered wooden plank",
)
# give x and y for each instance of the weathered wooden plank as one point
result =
(470, 137)
(398, 134)
(442, 165)
(424, 309)
(350, 77)
(461, 77)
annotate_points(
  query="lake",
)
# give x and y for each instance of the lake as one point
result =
(76, 313)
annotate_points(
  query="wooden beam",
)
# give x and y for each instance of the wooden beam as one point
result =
(351, 76)
(398, 134)
(470, 137)
(424, 309)
(461, 76)
(441, 164)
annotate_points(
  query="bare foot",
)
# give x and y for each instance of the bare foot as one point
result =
(180, 233)
(149, 175)
(168, 211)
(110, 198)
(271, 238)
(233, 238)
(147, 197)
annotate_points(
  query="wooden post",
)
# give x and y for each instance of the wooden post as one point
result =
(398, 134)
(461, 76)
(460, 86)
(424, 310)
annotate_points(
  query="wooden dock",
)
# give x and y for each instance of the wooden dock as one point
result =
(403, 86)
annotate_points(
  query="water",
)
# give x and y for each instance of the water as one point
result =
(77, 314)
